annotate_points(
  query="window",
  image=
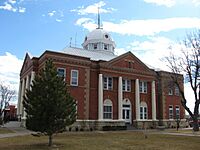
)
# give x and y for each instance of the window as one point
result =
(106, 36)
(74, 77)
(61, 72)
(143, 87)
(177, 112)
(95, 45)
(170, 112)
(170, 92)
(107, 83)
(107, 109)
(176, 91)
(126, 85)
(129, 64)
(105, 46)
(143, 110)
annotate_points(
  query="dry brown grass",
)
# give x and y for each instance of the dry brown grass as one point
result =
(103, 141)
(5, 130)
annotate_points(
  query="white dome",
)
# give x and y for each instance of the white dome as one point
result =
(99, 40)
(98, 34)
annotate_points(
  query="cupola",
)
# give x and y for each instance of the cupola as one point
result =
(99, 40)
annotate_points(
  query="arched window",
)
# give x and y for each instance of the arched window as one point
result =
(107, 109)
(143, 110)
(126, 103)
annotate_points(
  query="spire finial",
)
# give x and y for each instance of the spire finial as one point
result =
(99, 23)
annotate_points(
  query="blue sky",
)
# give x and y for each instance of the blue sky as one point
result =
(145, 27)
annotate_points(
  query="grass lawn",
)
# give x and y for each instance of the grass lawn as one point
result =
(5, 130)
(184, 131)
(103, 141)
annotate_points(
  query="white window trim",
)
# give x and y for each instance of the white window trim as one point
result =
(177, 91)
(64, 72)
(143, 116)
(177, 106)
(107, 83)
(126, 85)
(95, 45)
(143, 83)
(143, 105)
(170, 91)
(73, 77)
(172, 112)
(105, 46)
(110, 104)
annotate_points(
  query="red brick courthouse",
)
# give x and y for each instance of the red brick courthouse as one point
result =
(110, 90)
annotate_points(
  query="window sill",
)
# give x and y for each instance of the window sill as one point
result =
(144, 120)
(107, 119)
(171, 119)
(127, 91)
(74, 85)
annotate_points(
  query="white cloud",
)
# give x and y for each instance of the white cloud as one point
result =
(12, 5)
(120, 51)
(58, 20)
(143, 27)
(171, 3)
(189, 96)
(82, 21)
(196, 2)
(10, 67)
(167, 3)
(87, 23)
(57, 15)
(12, 1)
(8, 7)
(22, 9)
(61, 13)
(93, 9)
(52, 13)
(152, 50)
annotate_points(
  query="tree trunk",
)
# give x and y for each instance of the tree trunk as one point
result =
(50, 140)
(195, 125)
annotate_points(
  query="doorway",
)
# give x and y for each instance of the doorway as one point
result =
(126, 111)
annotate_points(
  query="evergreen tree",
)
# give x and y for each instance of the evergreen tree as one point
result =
(48, 105)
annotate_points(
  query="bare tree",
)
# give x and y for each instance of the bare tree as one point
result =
(188, 64)
(6, 94)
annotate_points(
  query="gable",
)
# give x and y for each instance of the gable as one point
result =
(26, 63)
(129, 61)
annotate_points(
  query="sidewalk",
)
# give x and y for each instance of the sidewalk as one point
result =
(180, 132)
(15, 127)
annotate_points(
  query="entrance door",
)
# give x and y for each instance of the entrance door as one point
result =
(126, 113)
